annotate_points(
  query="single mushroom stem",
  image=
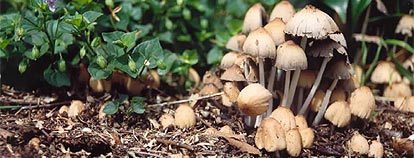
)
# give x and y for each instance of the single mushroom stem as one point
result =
(300, 98)
(263, 83)
(314, 86)
(286, 90)
(324, 104)
(293, 85)
(270, 86)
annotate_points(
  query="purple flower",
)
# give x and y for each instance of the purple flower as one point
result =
(51, 4)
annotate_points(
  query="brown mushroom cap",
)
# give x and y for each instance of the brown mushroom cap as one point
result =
(312, 23)
(362, 102)
(340, 69)
(338, 113)
(231, 90)
(208, 89)
(211, 78)
(405, 103)
(166, 120)
(235, 43)
(284, 10)
(228, 60)
(291, 56)
(307, 137)
(358, 144)
(184, 116)
(376, 149)
(234, 73)
(325, 48)
(254, 99)
(259, 43)
(270, 135)
(285, 117)
(406, 25)
(385, 72)
(338, 94)
(255, 17)
(307, 78)
(275, 29)
(317, 100)
(399, 89)
(293, 142)
(301, 122)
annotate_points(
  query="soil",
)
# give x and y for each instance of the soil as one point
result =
(39, 130)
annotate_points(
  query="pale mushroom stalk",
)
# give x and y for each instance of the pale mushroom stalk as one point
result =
(262, 82)
(315, 86)
(270, 86)
(300, 98)
(324, 104)
(286, 89)
(248, 119)
(296, 76)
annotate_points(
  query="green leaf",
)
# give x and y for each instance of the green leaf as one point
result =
(189, 57)
(137, 105)
(121, 63)
(111, 108)
(98, 73)
(52, 28)
(75, 20)
(91, 16)
(112, 36)
(56, 78)
(128, 39)
(357, 7)
(214, 56)
(169, 61)
(3, 53)
(339, 6)
(400, 43)
(150, 50)
(234, 26)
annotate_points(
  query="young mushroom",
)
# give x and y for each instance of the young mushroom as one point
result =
(235, 43)
(253, 99)
(255, 17)
(339, 114)
(362, 102)
(184, 116)
(358, 144)
(284, 10)
(285, 117)
(270, 135)
(293, 142)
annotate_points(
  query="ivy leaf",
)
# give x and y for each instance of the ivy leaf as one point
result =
(121, 63)
(111, 108)
(151, 51)
(75, 20)
(91, 16)
(51, 28)
(56, 78)
(189, 57)
(112, 36)
(137, 106)
(169, 61)
(128, 39)
(98, 73)
(214, 56)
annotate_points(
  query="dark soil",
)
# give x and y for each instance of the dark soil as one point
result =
(42, 131)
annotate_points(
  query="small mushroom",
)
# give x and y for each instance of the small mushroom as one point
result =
(376, 149)
(75, 108)
(231, 90)
(253, 99)
(339, 114)
(285, 117)
(399, 89)
(208, 89)
(404, 103)
(362, 102)
(284, 10)
(228, 60)
(293, 142)
(166, 120)
(301, 122)
(307, 136)
(184, 116)
(211, 78)
(405, 25)
(385, 72)
(235, 43)
(358, 144)
(270, 135)
(255, 17)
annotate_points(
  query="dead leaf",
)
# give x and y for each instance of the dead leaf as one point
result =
(243, 146)
(154, 123)
(381, 7)
(35, 143)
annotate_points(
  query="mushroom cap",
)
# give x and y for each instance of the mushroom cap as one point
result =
(234, 73)
(166, 120)
(325, 48)
(275, 29)
(254, 99)
(284, 10)
(338, 113)
(184, 116)
(317, 100)
(406, 25)
(255, 17)
(385, 72)
(301, 122)
(312, 23)
(362, 102)
(399, 89)
(208, 89)
(231, 90)
(358, 144)
(291, 56)
(270, 135)
(338, 94)
(293, 142)
(307, 137)
(211, 78)
(404, 103)
(408, 63)
(376, 149)
(307, 78)
(339, 38)
(339, 69)
(75, 108)
(285, 117)
(235, 42)
(228, 60)
(260, 44)
(350, 84)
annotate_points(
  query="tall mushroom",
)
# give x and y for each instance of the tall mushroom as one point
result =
(290, 57)
(255, 17)
(284, 10)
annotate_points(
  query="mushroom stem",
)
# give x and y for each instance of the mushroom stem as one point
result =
(286, 90)
(293, 85)
(270, 86)
(314, 86)
(300, 98)
(263, 83)
(324, 104)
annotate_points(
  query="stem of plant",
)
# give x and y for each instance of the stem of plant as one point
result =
(263, 83)
(293, 85)
(300, 98)
(270, 86)
(324, 104)
(315, 86)
(286, 90)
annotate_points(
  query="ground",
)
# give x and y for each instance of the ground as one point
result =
(43, 131)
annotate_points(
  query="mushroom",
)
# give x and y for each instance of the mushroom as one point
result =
(317, 99)
(234, 73)
(405, 25)
(376, 149)
(301, 122)
(339, 114)
(184, 116)
(358, 144)
(228, 60)
(270, 135)
(340, 70)
(166, 120)
(211, 78)
(404, 103)
(290, 57)
(307, 136)
(362, 102)
(75, 108)
(253, 99)
(208, 89)
(285, 117)
(100, 86)
(284, 10)
(231, 90)
(235, 42)
(338, 94)
(399, 89)
(293, 142)
(255, 17)
(385, 72)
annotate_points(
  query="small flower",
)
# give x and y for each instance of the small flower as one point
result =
(51, 4)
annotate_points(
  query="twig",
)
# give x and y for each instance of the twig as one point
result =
(147, 154)
(44, 105)
(185, 100)
(169, 142)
